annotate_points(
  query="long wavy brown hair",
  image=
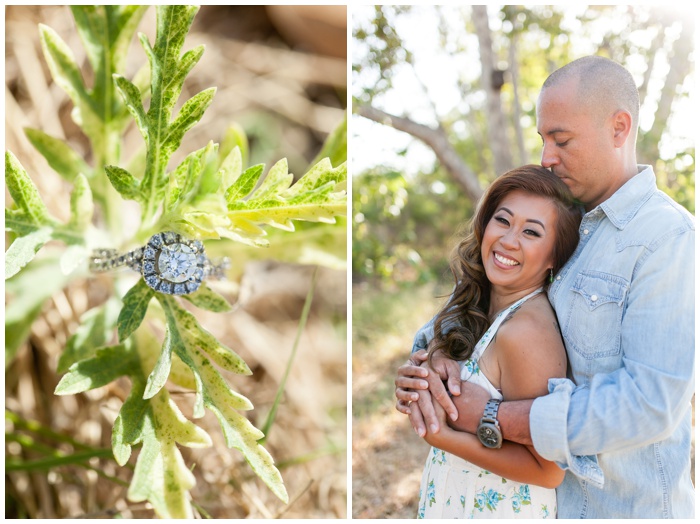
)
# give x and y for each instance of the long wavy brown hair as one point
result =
(463, 320)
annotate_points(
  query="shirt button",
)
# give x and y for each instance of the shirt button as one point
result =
(558, 277)
(594, 297)
(585, 231)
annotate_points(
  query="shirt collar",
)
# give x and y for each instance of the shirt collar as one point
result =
(623, 205)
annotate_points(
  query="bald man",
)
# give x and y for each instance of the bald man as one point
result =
(620, 424)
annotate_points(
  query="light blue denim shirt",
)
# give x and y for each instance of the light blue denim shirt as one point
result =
(621, 425)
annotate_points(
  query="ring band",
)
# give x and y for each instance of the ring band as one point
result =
(169, 263)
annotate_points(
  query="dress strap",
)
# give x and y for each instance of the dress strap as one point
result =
(491, 331)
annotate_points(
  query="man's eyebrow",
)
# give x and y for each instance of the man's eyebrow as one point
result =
(554, 131)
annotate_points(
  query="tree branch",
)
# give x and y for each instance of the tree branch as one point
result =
(437, 140)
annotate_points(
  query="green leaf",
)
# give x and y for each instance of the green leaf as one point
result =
(277, 179)
(234, 137)
(106, 32)
(81, 205)
(63, 66)
(94, 331)
(26, 300)
(244, 184)
(132, 99)
(159, 375)
(186, 330)
(242, 435)
(31, 212)
(134, 310)
(189, 115)
(108, 364)
(23, 250)
(335, 148)
(186, 337)
(319, 196)
(161, 476)
(60, 156)
(124, 182)
(168, 71)
(205, 298)
(183, 179)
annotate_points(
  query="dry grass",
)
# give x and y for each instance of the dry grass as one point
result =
(387, 456)
(289, 100)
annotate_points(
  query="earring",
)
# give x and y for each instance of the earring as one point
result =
(551, 275)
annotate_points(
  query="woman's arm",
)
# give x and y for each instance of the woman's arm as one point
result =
(512, 461)
(528, 350)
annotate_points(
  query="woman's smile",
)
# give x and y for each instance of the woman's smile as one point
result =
(505, 260)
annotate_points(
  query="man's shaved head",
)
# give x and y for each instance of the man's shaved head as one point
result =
(602, 84)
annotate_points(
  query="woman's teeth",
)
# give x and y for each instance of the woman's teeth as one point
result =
(505, 261)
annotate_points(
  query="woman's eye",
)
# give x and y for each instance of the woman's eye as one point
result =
(501, 220)
(532, 232)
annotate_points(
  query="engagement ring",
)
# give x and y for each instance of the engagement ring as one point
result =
(169, 263)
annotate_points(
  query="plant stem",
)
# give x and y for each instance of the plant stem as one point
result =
(36, 427)
(52, 462)
(302, 324)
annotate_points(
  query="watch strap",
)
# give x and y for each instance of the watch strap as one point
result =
(491, 410)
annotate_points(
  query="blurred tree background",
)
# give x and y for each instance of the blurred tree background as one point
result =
(443, 102)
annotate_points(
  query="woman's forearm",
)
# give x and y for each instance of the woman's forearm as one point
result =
(513, 415)
(512, 461)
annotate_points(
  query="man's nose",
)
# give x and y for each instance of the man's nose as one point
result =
(549, 158)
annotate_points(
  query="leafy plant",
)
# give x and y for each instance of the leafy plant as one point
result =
(209, 195)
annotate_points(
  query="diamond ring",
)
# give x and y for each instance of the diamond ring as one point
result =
(169, 263)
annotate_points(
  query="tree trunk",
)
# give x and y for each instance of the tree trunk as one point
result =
(514, 73)
(437, 140)
(679, 64)
(495, 120)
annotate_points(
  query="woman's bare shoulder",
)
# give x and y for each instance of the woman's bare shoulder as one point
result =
(530, 350)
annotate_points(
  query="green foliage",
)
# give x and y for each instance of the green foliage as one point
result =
(31, 220)
(404, 228)
(209, 195)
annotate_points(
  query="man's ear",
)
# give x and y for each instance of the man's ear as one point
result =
(622, 127)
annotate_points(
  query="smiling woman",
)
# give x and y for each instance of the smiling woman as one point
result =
(483, 285)
(499, 326)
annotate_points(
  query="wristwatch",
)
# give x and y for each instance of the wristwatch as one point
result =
(489, 432)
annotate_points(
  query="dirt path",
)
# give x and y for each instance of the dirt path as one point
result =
(388, 459)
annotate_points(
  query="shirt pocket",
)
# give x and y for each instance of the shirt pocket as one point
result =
(595, 318)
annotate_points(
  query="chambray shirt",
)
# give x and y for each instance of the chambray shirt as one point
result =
(620, 425)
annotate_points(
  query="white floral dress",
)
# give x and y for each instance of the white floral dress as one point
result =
(453, 488)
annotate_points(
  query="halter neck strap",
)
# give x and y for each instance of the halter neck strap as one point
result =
(491, 331)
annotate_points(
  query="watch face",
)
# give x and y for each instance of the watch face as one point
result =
(489, 436)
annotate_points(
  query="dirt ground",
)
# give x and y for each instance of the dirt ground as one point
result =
(387, 463)
(387, 456)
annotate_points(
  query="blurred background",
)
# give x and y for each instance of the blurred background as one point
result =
(443, 101)
(281, 75)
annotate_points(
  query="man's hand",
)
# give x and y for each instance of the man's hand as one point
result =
(432, 438)
(408, 388)
(407, 385)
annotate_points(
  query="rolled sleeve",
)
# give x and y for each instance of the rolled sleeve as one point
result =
(423, 336)
(549, 430)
